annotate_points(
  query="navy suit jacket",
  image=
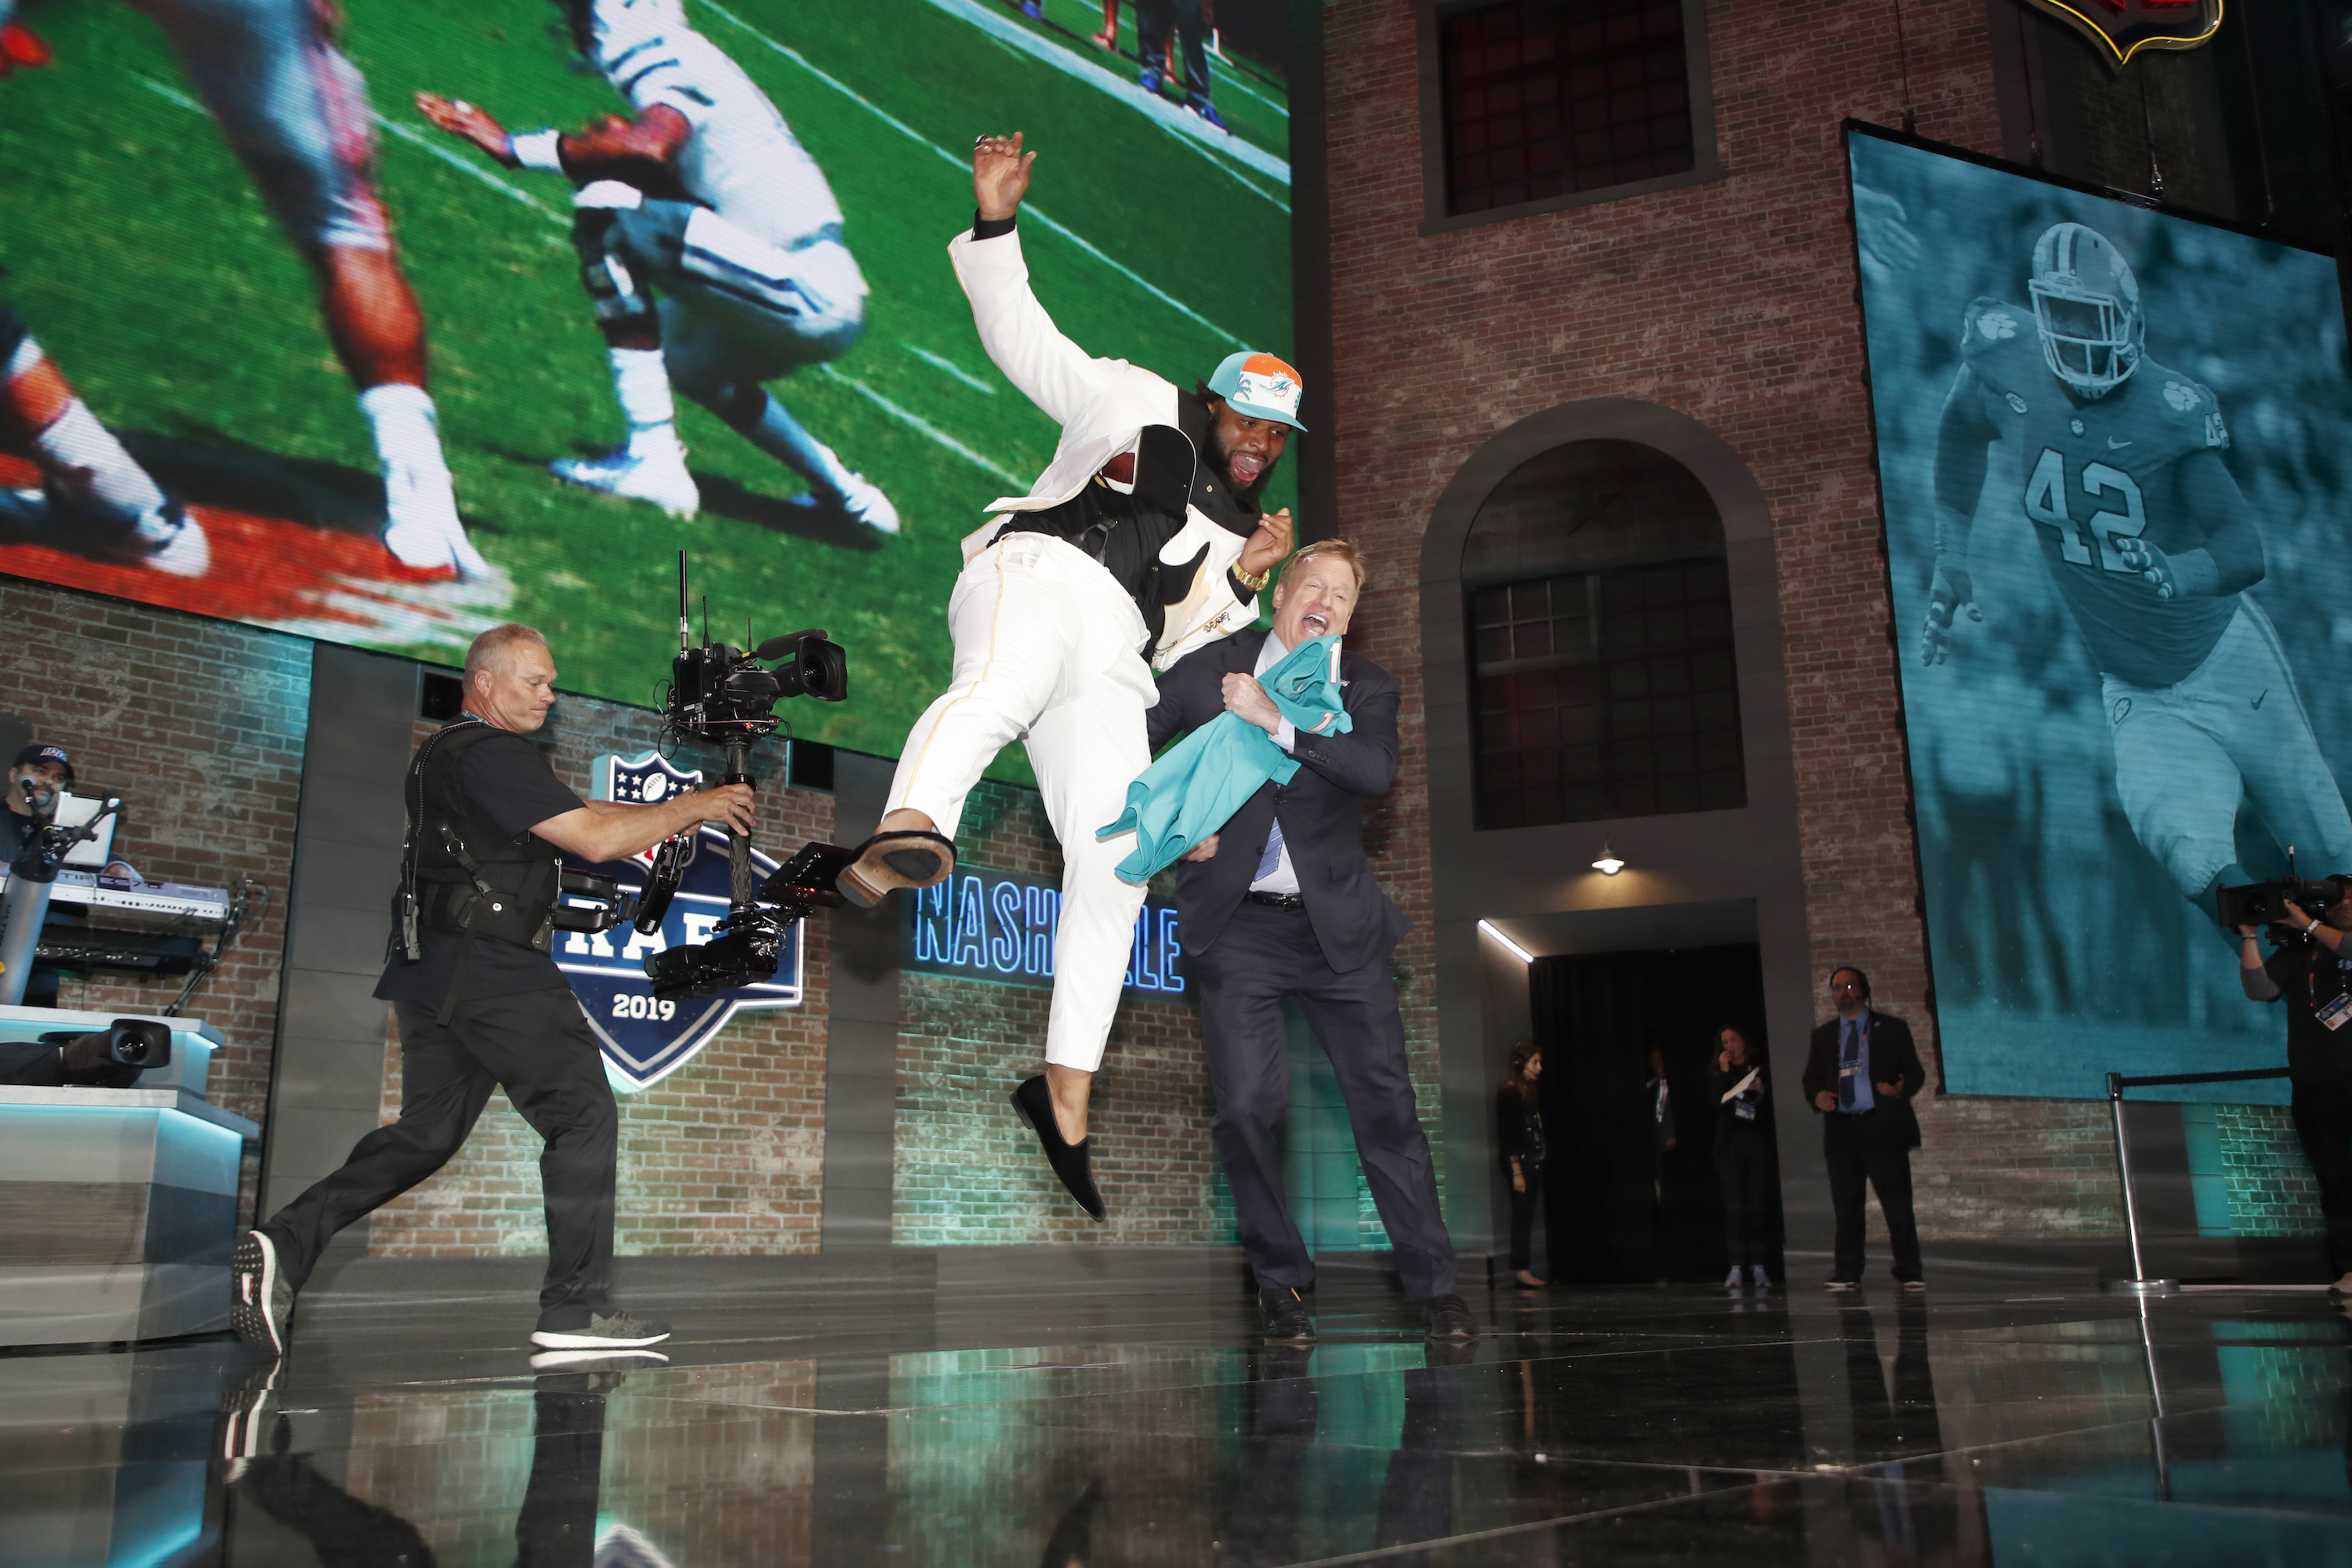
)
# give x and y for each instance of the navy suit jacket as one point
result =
(1319, 809)
(1894, 1058)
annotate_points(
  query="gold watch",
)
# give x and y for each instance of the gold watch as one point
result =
(1255, 585)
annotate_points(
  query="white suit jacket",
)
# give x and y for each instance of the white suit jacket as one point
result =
(1102, 405)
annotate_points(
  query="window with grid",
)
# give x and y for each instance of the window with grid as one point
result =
(1549, 98)
(1606, 694)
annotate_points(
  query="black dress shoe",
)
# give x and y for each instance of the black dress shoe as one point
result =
(1285, 1311)
(1449, 1318)
(1035, 1105)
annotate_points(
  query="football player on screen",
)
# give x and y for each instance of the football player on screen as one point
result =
(711, 249)
(93, 495)
(2116, 461)
(295, 111)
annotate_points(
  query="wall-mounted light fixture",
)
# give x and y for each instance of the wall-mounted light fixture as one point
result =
(1609, 865)
(1513, 947)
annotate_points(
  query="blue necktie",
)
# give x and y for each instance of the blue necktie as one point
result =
(1273, 856)
(1849, 1055)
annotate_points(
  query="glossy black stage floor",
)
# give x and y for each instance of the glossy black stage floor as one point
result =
(1127, 1416)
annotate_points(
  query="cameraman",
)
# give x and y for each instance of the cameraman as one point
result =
(36, 779)
(485, 1007)
(2313, 971)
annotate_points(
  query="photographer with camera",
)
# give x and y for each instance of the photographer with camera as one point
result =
(482, 1006)
(2311, 969)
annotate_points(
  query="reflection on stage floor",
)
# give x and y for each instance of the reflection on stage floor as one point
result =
(1992, 1421)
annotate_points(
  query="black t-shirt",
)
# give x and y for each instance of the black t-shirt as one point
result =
(16, 832)
(510, 787)
(2310, 977)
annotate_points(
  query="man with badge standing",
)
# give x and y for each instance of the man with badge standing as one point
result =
(1861, 1074)
(481, 1004)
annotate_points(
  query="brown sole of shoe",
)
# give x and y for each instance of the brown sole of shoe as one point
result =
(887, 866)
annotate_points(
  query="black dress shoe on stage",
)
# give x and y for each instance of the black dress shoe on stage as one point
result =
(1285, 1311)
(1449, 1318)
(1035, 1105)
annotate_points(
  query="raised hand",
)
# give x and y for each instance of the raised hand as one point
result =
(1270, 546)
(459, 118)
(1950, 593)
(999, 175)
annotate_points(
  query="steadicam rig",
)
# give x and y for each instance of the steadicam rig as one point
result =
(726, 697)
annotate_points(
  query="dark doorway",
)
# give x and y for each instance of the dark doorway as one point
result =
(1616, 1208)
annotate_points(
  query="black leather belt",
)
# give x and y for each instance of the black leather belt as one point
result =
(1278, 900)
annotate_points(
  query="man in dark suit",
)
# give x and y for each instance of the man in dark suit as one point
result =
(1861, 1076)
(1281, 902)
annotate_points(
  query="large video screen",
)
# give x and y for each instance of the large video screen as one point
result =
(228, 226)
(2113, 446)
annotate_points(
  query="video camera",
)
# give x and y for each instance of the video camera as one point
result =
(724, 697)
(126, 1042)
(2264, 904)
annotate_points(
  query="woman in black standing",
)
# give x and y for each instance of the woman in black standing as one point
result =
(1743, 1155)
(1519, 1114)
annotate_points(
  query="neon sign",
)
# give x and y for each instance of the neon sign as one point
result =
(998, 926)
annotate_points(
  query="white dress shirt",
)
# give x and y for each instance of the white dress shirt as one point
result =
(1284, 878)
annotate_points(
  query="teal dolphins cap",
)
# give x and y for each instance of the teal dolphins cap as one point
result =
(1259, 385)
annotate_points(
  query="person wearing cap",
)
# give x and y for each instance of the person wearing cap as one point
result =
(39, 772)
(1141, 541)
(35, 780)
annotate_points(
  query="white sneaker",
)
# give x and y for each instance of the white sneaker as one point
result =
(657, 477)
(1763, 1280)
(605, 1331)
(170, 542)
(862, 499)
(422, 529)
(1735, 1281)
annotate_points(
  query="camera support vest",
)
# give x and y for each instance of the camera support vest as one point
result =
(461, 876)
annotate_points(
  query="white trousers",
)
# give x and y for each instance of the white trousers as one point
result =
(1047, 650)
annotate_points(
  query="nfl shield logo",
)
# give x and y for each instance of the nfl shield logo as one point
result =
(2121, 28)
(645, 1040)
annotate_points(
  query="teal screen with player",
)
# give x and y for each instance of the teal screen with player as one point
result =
(307, 318)
(2112, 446)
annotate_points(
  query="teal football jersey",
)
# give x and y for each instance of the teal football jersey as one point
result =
(2096, 471)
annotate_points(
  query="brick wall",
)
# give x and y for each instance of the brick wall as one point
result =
(199, 726)
(723, 1157)
(968, 1172)
(1733, 302)
(2272, 1192)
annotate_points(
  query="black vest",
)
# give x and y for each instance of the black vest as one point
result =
(465, 877)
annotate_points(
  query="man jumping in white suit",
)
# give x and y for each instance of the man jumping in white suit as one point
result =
(1142, 540)
(711, 249)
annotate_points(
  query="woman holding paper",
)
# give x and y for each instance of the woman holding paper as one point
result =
(1743, 1155)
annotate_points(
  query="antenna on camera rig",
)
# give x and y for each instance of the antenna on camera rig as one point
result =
(723, 696)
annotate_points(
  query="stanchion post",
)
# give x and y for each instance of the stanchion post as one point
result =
(2139, 1283)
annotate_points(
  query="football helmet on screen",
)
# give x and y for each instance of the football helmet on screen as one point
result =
(2086, 304)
